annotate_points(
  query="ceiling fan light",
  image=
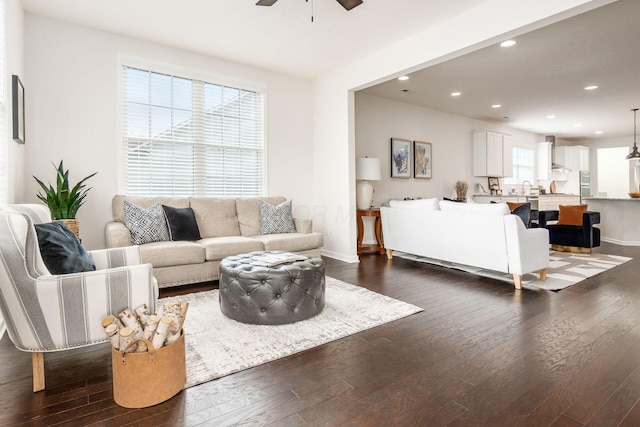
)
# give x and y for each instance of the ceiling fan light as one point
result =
(350, 4)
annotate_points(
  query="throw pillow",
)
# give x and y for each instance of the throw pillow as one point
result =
(61, 250)
(571, 214)
(523, 210)
(276, 219)
(182, 223)
(513, 205)
(145, 225)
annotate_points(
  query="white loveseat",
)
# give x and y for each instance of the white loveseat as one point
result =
(480, 235)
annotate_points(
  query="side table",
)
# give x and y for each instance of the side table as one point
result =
(378, 230)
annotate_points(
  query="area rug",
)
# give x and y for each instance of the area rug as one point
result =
(217, 346)
(564, 270)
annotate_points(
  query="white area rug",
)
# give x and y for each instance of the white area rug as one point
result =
(217, 346)
(564, 270)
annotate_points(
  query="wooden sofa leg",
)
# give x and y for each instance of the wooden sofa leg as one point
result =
(517, 281)
(37, 363)
(543, 274)
(389, 254)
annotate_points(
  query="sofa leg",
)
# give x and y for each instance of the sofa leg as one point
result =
(517, 281)
(571, 249)
(543, 274)
(37, 363)
(389, 254)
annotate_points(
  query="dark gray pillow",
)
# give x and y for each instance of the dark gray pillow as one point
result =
(61, 250)
(524, 212)
(182, 223)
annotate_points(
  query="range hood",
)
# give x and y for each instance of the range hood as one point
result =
(554, 166)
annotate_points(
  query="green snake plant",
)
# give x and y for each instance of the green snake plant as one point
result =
(62, 201)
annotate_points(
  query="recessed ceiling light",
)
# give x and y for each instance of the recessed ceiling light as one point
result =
(456, 93)
(592, 87)
(402, 78)
(577, 125)
(551, 116)
(508, 43)
(496, 106)
(599, 132)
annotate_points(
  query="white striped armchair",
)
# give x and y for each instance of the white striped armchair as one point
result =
(45, 312)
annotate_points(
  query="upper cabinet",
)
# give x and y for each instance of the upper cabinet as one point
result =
(492, 154)
(543, 160)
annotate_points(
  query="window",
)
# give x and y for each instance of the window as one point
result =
(522, 166)
(613, 172)
(186, 137)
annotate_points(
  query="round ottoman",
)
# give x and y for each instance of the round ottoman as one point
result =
(284, 293)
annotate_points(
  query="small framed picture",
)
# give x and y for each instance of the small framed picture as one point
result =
(494, 183)
(400, 158)
(18, 109)
(422, 159)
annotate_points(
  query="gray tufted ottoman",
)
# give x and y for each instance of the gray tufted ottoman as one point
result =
(284, 293)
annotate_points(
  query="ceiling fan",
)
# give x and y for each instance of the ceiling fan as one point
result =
(347, 4)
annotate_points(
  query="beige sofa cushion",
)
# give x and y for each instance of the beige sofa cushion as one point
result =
(218, 248)
(249, 213)
(165, 254)
(117, 204)
(215, 216)
(291, 242)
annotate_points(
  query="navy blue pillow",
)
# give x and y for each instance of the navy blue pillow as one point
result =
(182, 223)
(61, 250)
(524, 212)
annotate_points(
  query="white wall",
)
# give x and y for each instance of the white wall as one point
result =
(379, 119)
(72, 114)
(16, 153)
(334, 132)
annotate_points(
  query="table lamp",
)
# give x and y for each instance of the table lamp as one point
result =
(367, 169)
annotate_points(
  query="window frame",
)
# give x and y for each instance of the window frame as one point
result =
(186, 73)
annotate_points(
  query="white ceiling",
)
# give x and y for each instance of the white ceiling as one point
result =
(543, 74)
(280, 38)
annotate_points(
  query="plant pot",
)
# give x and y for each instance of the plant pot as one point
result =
(73, 224)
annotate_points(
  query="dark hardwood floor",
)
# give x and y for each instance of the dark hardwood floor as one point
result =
(480, 354)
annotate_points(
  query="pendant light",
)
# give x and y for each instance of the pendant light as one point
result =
(634, 154)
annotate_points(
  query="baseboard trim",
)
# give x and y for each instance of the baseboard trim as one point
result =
(340, 257)
(619, 242)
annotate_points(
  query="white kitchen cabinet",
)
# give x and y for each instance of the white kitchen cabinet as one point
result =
(492, 154)
(574, 157)
(543, 160)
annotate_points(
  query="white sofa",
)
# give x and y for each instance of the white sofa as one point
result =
(480, 235)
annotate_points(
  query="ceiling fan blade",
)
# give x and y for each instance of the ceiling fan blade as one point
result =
(266, 2)
(350, 4)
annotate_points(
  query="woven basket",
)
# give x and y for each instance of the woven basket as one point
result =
(73, 224)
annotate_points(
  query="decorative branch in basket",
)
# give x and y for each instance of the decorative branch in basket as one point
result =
(461, 188)
(134, 326)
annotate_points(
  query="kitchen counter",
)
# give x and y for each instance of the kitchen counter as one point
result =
(542, 202)
(618, 219)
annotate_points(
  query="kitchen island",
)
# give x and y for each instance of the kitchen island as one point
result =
(542, 202)
(618, 219)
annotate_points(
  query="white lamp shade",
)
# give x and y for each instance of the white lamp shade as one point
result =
(368, 168)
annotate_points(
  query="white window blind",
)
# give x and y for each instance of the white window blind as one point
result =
(186, 137)
(523, 166)
(4, 175)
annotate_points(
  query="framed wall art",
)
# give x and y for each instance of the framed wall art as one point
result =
(400, 158)
(422, 159)
(18, 109)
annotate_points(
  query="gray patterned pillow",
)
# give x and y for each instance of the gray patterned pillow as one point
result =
(145, 225)
(276, 219)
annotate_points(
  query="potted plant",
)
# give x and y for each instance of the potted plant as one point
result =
(64, 202)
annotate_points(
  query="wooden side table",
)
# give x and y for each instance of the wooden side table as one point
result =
(378, 230)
